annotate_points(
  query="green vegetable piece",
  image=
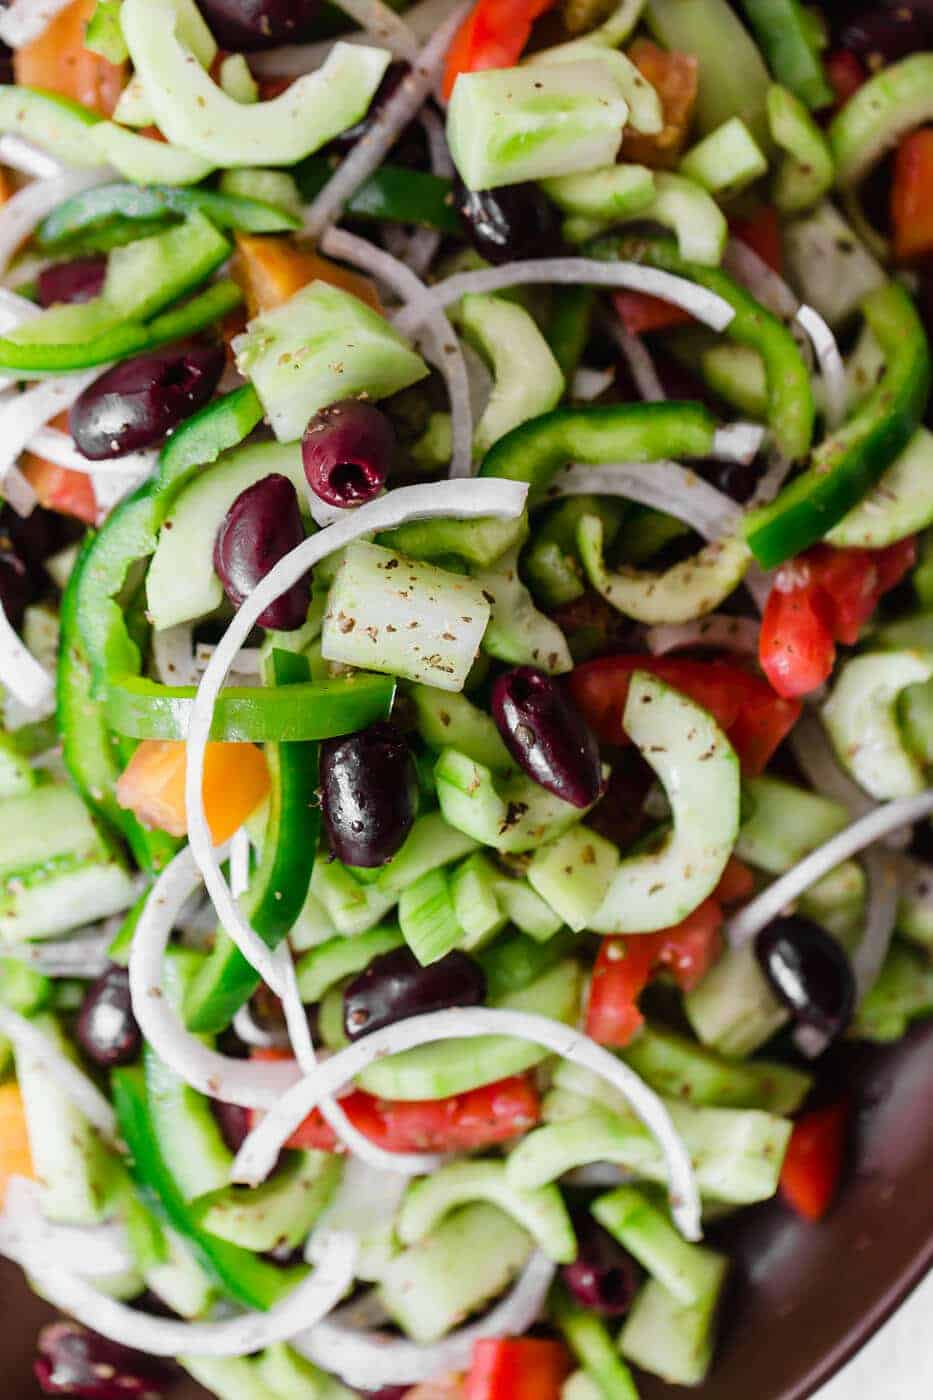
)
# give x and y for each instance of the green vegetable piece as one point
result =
(588, 1339)
(733, 1009)
(17, 775)
(191, 110)
(237, 81)
(786, 823)
(900, 504)
(432, 842)
(474, 894)
(668, 1339)
(782, 31)
(683, 206)
(614, 192)
(280, 1212)
(57, 124)
(324, 966)
(323, 344)
(229, 1377)
(574, 874)
(22, 988)
(510, 814)
(274, 187)
(482, 542)
(446, 719)
(680, 1069)
(517, 632)
(145, 161)
(541, 1212)
(392, 194)
(726, 161)
(527, 378)
(291, 1377)
(190, 1139)
(902, 994)
(647, 1233)
(514, 961)
(428, 918)
(891, 103)
(852, 459)
(644, 105)
(104, 33)
(807, 170)
(91, 211)
(508, 125)
(569, 326)
(861, 720)
(201, 439)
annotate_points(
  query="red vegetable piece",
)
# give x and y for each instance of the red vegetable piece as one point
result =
(846, 74)
(525, 1368)
(813, 1163)
(493, 35)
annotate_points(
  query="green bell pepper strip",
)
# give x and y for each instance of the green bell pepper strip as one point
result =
(119, 950)
(245, 1277)
(646, 432)
(392, 194)
(782, 30)
(90, 754)
(569, 327)
(200, 440)
(851, 460)
(791, 409)
(91, 210)
(280, 886)
(874, 119)
(143, 709)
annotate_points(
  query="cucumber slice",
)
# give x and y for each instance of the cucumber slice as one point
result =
(668, 1339)
(352, 908)
(428, 918)
(828, 264)
(451, 720)
(229, 1377)
(477, 907)
(606, 1376)
(323, 967)
(517, 632)
(648, 1234)
(181, 584)
(237, 81)
(645, 112)
(615, 192)
(191, 110)
(511, 814)
(861, 720)
(403, 617)
(291, 1377)
(454, 1067)
(432, 842)
(806, 173)
(508, 125)
(902, 994)
(574, 874)
(527, 380)
(469, 1259)
(700, 774)
(527, 910)
(514, 961)
(190, 1139)
(900, 504)
(479, 542)
(55, 123)
(733, 1009)
(680, 1069)
(322, 345)
(280, 1212)
(863, 129)
(104, 34)
(726, 161)
(180, 1281)
(541, 1212)
(786, 823)
(46, 825)
(273, 187)
(145, 161)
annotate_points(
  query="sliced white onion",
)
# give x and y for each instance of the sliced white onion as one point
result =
(738, 442)
(382, 24)
(172, 656)
(814, 753)
(864, 832)
(294, 60)
(59, 448)
(307, 1304)
(753, 273)
(246, 664)
(704, 306)
(20, 154)
(14, 309)
(868, 958)
(370, 151)
(83, 955)
(73, 1082)
(374, 1360)
(22, 415)
(18, 493)
(246, 1028)
(20, 672)
(25, 20)
(832, 369)
(422, 250)
(262, 1146)
(663, 486)
(444, 348)
(588, 384)
(93, 1251)
(641, 366)
(719, 630)
(28, 207)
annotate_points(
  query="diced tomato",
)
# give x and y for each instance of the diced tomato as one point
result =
(912, 196)
(813, 1162)
(59, 488)
(15, 1153)
(521, 1368)
(753, 717)
(761, 232)
(493, 35)
(846, 74)
(676, 79)
(59, 62)
(641, 314)
(236, 780)
(493, 1113)
(820, 598)
(736, 882)
(271, 269)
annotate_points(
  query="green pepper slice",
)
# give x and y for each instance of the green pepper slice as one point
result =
(392, 194)
(782, 29)
(203, 437)
(569, 327)
(791, 409)
(243, 1276)
(851, 460)
(280, 886)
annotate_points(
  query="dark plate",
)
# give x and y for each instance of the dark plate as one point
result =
(803, 1299)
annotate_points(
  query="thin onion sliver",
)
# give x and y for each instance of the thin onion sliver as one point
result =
(662, 485)
(719, 630)
(832, 368)
(72, 1081)
(20, 673)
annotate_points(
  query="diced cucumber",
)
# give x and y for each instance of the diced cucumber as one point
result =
(470, 1258)
(17, 775)
(828, 264)
(55, 123)
(275, 187)
(104, 34)
(508, 125)
(700, 772)
(133, 108)
(915, 909)
(517, 632)
(903, 993)
(180, 1281)
(322, 345)
(291, 1377)
(510, 814)
(574, 873)
(144, 161)
(428, 918)
(668, 1339)
(352, 908)
(527, 910)
(389, 613)
(189, 1136)
(683, 206)
(900, 504)
(476, 904)
(237, 81)
(838, 902)
(229, 1377)
(46, 825)
(861, 720)
(588, 1338)
(647, 1233)
(806, 171)
(281, 1211)
(514, 961)
(727, 160)
(329, 963)
(541, 1212)
(80, 1176)
(432, 842)
(680, 1069)
(645, 112)
(617, 191)
(181, 584)
(479, 542)
(527, 380)
(733, 1009)
(456, 1066)
(786, 823)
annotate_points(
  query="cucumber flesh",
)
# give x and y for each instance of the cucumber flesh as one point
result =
(733, 1009)
(512, 814)
(786, 823)
(680, 1069)
(574, 874)
(900, 504)
(280, 1212)
(647, 1233)
(527, 378)
(324, 966)
(451, 720)
(672, 1340)
(902, 994)
(861, 719)
(517, 632)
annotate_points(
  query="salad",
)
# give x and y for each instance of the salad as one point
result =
(466, 648)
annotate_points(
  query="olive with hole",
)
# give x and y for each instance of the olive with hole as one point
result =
(346, 451)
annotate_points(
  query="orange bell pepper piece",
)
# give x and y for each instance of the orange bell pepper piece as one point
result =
(236, 780)
(676, 78)
(912, 196)
(272, 269)
(15, 1154)
(59, 62)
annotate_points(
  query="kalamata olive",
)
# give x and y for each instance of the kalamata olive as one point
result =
(347, 450)
(17, 585)
(392, 80)
(107, 1031)
(139, 402)
(514, 221)
(247, 25)
(369, 794)
(547, 736)
(24, 545)
(604, 1277)
(260, 528)
(74, 1361)
(78, 280)
(234, 1122)
(885, 33)
(735, 479)
(809, 972)
(395, 986)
